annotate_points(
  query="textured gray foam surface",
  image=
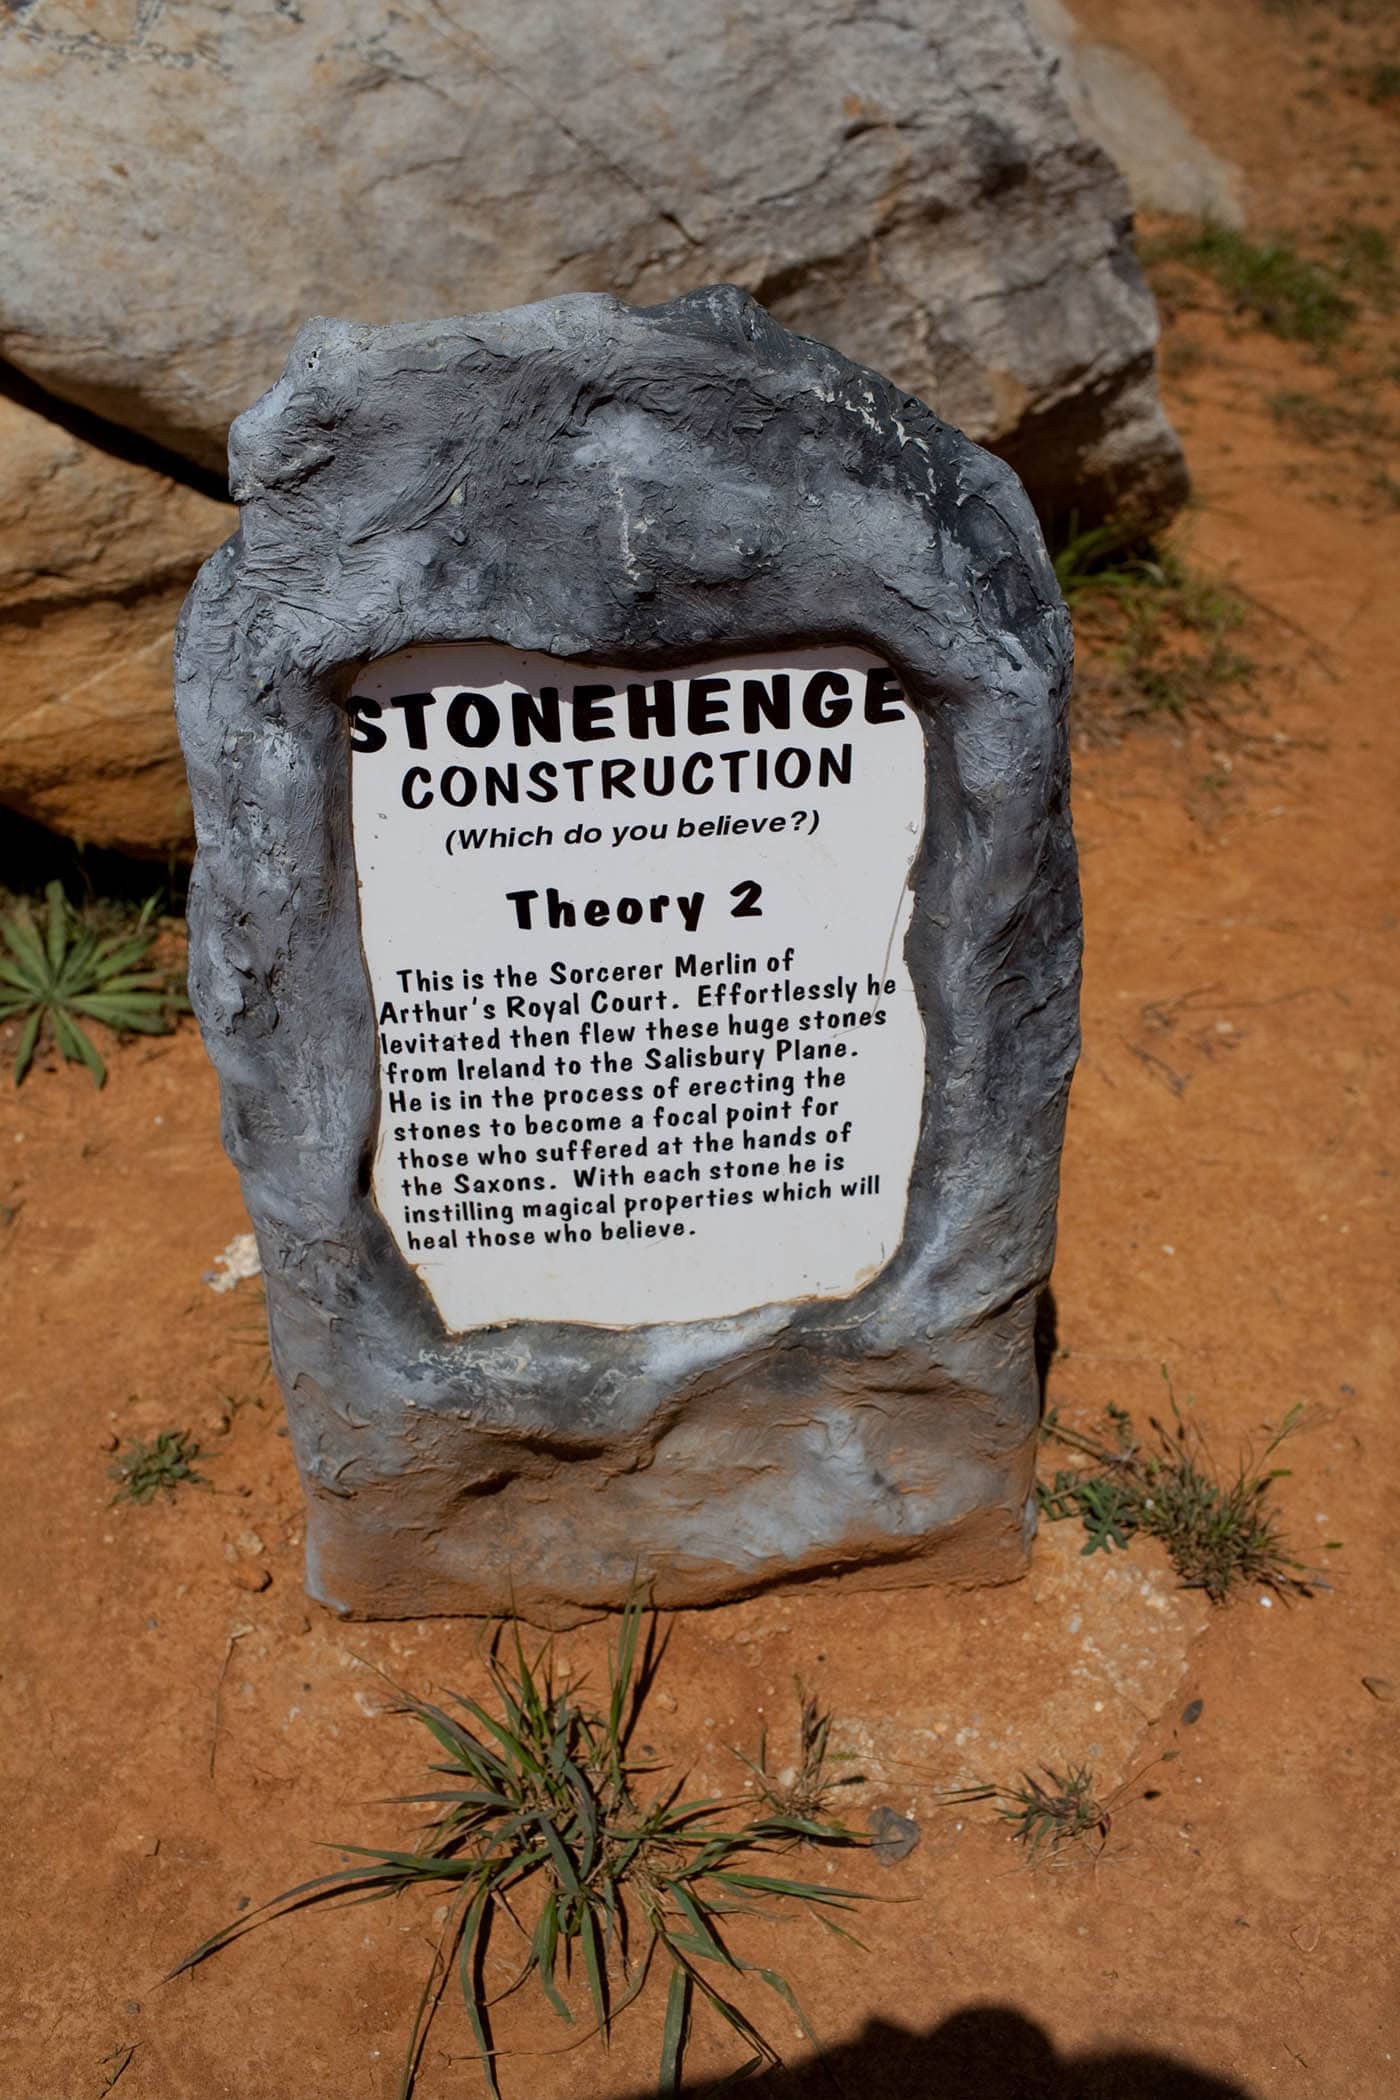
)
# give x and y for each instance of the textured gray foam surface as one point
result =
(478, 478)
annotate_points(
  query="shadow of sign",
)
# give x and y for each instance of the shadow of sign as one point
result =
(984, 2052)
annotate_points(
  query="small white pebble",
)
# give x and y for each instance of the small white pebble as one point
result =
(1166, 1249)
(157, 1119)
(1267, 1602)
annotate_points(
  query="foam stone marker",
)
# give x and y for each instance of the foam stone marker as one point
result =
(636, 928)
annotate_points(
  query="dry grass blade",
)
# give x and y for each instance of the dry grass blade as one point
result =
(542, 1812)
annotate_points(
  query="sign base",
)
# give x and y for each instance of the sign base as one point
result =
(798, 1461)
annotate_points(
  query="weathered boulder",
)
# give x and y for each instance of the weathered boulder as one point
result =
(186, 185)
(96, 554)
(1118, 100)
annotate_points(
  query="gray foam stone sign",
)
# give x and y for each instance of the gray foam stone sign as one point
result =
(636, 927)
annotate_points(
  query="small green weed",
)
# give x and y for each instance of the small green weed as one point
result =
(1220, 1531)
(805, 1788)
(144, 1470)
(1280, 289)
(542, 1813)
(70, 972)
(1383, 84)
(1155, 632)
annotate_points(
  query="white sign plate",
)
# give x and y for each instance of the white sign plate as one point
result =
(648, 1047)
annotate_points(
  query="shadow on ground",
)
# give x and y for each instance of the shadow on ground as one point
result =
(986, 2052)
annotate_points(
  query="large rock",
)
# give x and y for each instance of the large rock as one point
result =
(1119, 101)
(96, 554)
(186, 185)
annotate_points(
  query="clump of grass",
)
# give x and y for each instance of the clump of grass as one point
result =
(1272, 283)
(1383, 84)
(1058, 1810)
(1364, 260)
(1156, 632)
(1221, 1530)
(145, 1470)
(1321, 420)
(67, 971)
(804, 1788)
(543, 1827)
(1045, 1818)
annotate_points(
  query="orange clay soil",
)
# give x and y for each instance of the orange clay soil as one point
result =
(178, 1729)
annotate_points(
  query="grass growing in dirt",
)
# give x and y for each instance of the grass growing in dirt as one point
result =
(1271, 283)
(1364, 260)
(1155, 632)
(1220, 1529)
(544, 1828)
(1057, 1811)
(1322, 419)
(61, 968)
(805, 1787)
(144, 1470)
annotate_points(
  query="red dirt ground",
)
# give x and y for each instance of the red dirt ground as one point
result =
(177, 1739)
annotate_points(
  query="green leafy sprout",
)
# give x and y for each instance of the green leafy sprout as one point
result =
(542, 1827)
(67, 972)
(145, 1470)
(1221, 1530)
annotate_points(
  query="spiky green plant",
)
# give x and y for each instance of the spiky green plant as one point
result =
(545, 1815)
(1220, 1529)
(67, 972)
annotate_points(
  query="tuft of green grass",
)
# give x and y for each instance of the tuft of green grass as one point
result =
(1221, 1530)
(1276, 286)
(145, 1470)
(1045, 1818)
(67, 971)
(1155, 631)
(543, 1827)
(1383, 84)
(804, 1788)
(1058, 1810)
